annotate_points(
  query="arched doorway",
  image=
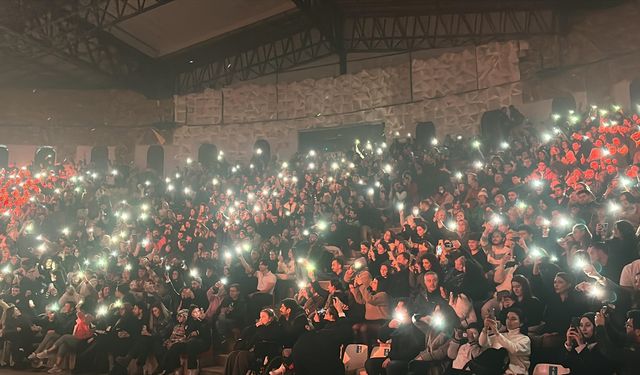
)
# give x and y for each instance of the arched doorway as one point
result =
(562, 105)
(262, 148)
(155, 159)
(45, 157)
(100, 157)
(425, 133)
(634, 95)
(494, 126)
(4, 157)
(207, 155)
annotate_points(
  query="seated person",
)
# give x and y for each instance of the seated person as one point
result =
(514, 341)
(406, 343)
(66, 344)
(198, 340)
(266, 329)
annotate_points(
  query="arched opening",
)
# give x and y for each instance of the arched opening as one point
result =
(4, 157)
(207, 155)
(155, 159)
(45, 157)
(562, 105)
(100, 157)
(425, 133)
(262, 149)
(494, 126)
(634, 95)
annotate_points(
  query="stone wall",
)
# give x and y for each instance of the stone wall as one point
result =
(595, 62)
(453, 89)
(67, 119)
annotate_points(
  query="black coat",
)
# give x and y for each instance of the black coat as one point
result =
(318, 352)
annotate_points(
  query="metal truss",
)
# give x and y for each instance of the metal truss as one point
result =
(400, 33)
(327, 17)
(330, 33)
(269, 57)
(76, 33)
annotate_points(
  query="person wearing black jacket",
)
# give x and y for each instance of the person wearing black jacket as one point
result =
(17, 330)
(583, 354)
(232, 312)
(330, 333)
(293, 321)
(407, 342)
(54, 325)
(198, 341)
(151, 337)
(117, 340)
(265, 333)
(625, 356)
(400, 278)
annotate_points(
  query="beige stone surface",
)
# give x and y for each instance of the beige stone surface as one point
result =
(449, 73)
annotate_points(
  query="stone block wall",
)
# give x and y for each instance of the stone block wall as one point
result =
(453, 89)
(595, 62)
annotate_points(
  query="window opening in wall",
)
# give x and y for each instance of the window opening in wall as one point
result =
(562, 105)
(208, 155)
(4, 157)
(100, 157)
(425, 134)
(261, 153)
(634, 94)
(155, 159)
(45, 157)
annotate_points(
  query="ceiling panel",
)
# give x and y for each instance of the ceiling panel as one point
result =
(184, 23)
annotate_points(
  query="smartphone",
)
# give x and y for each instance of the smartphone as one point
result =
(492, 313)
(439, 250)
(575, 322)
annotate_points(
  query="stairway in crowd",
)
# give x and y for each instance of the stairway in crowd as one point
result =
(215, 366)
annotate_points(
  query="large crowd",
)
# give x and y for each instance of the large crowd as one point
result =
(458, 255)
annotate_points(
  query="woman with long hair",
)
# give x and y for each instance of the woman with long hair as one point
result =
(530, 305)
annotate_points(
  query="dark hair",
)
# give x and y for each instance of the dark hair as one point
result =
(290, 303)
(525, 284)
(567, 277)
(524, 227)
(634, 315)
(626, 229)
(521, 316)
(602, 246)
(405, 255)
(269, 311)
